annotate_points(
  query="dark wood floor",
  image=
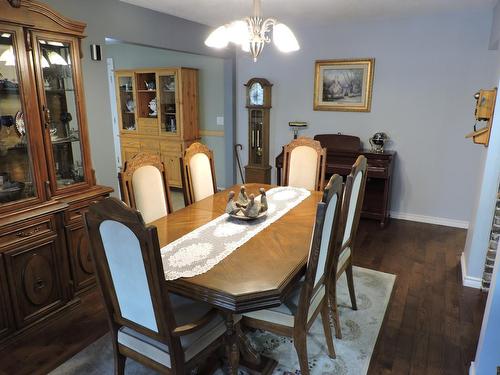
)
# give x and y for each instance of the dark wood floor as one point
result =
(431, 327)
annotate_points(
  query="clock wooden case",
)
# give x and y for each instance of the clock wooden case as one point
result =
(46, 176)
(259, 105)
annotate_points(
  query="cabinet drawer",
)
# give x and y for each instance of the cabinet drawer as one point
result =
(171, 148)
(150, 146)
(27, 231)
(75, 212)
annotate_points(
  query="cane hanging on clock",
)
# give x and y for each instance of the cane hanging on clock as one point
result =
(259, 105)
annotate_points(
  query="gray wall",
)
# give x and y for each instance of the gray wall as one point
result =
(211, 86)
(121, 21)
(426, 72)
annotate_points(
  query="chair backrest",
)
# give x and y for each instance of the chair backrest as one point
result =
(198, 173)
(144, 186)
(324, 242)
(128, 266)
(352, 201)
(304, 164)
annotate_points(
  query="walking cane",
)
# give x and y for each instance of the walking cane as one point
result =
(236, 147)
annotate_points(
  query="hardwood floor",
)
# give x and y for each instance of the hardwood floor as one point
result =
(431, 326)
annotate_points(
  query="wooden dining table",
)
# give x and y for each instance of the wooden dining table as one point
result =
(257, 275)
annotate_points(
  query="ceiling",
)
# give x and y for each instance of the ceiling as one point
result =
(318, 12)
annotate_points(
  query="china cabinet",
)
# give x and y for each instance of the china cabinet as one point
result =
(158, 113)
(46, 176)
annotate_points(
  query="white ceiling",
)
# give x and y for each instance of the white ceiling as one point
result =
(318, 12)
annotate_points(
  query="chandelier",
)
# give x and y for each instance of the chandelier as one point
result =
(252, 34)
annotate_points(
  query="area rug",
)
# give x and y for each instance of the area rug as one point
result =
(360, 330)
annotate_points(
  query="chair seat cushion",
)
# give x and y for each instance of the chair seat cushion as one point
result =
(185, 311)
(284, 314)
(344, 256)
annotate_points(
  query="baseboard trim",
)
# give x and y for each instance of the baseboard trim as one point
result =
(469, 281)
(472, 368)
(430, 219)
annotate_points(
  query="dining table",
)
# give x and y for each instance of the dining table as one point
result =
(259, 274)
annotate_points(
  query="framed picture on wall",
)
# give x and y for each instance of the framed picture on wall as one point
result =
(343, 85)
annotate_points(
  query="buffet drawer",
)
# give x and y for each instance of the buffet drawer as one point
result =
(29, 230)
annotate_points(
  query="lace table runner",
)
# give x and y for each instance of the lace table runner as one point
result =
(200, 250)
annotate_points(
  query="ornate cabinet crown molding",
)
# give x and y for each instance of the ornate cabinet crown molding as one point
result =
(39, 16)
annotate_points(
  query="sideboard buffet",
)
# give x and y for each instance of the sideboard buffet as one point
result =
(46, 176)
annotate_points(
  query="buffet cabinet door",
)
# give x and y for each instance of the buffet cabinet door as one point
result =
(34, 275)
(82, 266)
(6, 325)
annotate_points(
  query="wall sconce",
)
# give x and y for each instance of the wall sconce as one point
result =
(296, 126)
(95, 52)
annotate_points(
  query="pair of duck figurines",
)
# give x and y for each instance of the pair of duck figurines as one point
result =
(245, 206)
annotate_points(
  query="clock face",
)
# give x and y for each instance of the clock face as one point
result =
(256, 94)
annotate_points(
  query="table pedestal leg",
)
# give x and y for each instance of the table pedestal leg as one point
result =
(232, 350)
(251, 359)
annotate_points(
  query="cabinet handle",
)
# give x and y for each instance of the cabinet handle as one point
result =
(23, 234)
(46, 116)
(39, 284)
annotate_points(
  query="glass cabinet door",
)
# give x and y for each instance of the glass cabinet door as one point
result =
(168, 104)
(56, 60)
(127, 103)
(16, 167)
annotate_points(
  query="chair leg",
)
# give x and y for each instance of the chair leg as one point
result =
(350, 284)
(119, 363)
(325, 318)
(300, 343)
(335, 311)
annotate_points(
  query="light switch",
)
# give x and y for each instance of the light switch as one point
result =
(220, 120)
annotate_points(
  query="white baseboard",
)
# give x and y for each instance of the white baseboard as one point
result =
(472, 368)
(471, 282)
(430, 219)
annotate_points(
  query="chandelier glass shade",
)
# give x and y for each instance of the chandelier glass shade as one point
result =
(253, 33)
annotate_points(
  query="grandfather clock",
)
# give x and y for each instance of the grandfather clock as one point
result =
(259, 105)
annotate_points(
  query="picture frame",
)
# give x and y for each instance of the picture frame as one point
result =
(344, 85)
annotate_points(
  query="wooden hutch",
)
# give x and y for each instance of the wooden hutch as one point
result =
(158, 113)
(46, 175)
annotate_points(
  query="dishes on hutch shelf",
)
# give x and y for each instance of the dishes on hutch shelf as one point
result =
(11, 191)
(130, 105)
(20, 125)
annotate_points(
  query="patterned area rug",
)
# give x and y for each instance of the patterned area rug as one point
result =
(360, 331)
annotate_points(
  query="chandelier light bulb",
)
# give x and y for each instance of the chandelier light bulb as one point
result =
(218, 38)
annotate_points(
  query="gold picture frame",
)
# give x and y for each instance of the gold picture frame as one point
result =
(344, 85)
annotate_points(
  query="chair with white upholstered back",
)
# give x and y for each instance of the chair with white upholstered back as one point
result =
(149, 324)
(352, 202)
(144, 186)
(304, 164)
(296, 315)
(198, 173)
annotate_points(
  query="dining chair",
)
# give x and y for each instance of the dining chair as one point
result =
(144, 186)
(295, 316)
(166, 332)
(304, 164)
(198, 173)
(352, 202)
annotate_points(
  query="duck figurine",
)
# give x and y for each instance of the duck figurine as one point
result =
(242, 197)
(253, 208)
(231, 207)
(263, 200)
